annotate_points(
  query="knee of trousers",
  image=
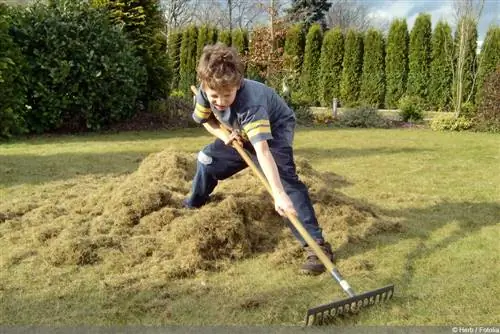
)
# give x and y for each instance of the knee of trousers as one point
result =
(207, 164)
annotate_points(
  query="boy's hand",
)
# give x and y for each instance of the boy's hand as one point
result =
(283, 204)
(234, 136)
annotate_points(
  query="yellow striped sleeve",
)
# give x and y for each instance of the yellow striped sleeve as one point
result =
(258, 127)
(202, 112)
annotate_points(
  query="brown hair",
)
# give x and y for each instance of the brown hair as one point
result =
(220, 67)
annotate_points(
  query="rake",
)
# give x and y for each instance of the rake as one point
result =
(325, 313)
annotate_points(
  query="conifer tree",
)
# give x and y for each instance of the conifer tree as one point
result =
(350, 84)
(240, 41)
(489, 58)
(373, 76)
(396, 62)
(311, 69)
(294, 54)
(419, 57)
(441, 74)
(187, 70)
(225, 37)
(174, 52)
(332, 54)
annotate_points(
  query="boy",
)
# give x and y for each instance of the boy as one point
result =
(262, 122)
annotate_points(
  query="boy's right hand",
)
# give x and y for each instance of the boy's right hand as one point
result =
(283, 204)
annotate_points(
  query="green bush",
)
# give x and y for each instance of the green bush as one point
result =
(447, 123)
(411, 108)
(363, 117)
(12, 82)
(301, 107)
(83, 72)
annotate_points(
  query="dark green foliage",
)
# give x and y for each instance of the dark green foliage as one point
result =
(489, 58)
(187, 68)
(310, 77)
(488, 114)
(240, 41)
(441, 74)
(294, 54)
(363, 117)
(174, 53)
(212, 35)
(420, 57)
(396, 63)
(159, 68)
(373, 77)
(225, 37)
(309, 12)
(202, 41)
(469, 28)
(83, 72)
(302, 111)
(350, 84)
(332, 54)
(143, 22)
(12, 81)
(411, 108)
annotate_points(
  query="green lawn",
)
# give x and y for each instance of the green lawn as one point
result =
(442, 189)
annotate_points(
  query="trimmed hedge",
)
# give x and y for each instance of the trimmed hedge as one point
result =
(12, 82)
(83, 72)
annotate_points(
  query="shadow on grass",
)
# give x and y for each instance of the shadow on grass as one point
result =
(35, 169)
(328, 153)
(421, 223)
(111, 136)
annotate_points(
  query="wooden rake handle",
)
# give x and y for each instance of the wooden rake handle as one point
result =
(296, 223)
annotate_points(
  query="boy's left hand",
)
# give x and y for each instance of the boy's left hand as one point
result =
(283, 204)
(234, 136)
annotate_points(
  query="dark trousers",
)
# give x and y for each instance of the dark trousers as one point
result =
(218, 161)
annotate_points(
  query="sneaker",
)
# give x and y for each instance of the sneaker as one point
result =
(185, 204)
(313, 265)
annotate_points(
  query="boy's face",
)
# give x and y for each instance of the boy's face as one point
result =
(221, 99)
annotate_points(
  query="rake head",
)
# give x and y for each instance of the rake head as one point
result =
(326, 313)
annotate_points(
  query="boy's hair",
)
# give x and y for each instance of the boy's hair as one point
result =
(220, 67)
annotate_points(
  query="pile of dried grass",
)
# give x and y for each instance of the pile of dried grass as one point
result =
(135, 223)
